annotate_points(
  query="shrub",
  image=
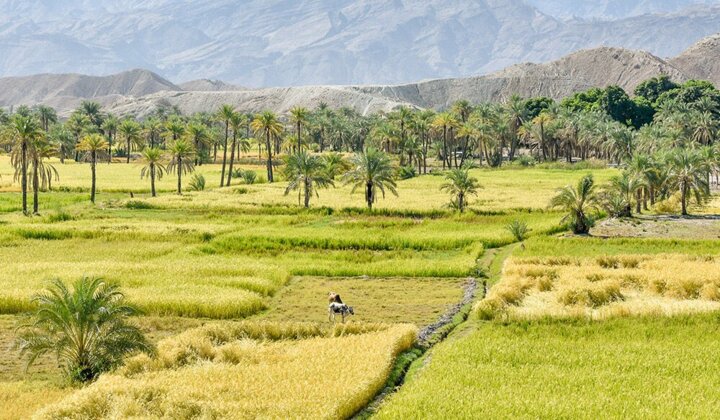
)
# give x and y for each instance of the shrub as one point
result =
(526, 160)
(138, 205)
(197, 182)
(407, 172)
(518, 229)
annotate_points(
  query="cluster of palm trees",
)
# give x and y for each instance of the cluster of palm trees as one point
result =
(676, 153)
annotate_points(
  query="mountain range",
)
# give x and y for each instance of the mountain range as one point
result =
(139, 92)
(265, 43)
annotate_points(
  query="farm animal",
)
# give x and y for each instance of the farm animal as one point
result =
(339, 308)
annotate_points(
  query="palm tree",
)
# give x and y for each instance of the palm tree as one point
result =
(24, 131)
(225, 114)
(460, 185)
(154, 168)
(182, 160)
(79, 124)
(237, 122)
(198, 134)
(47, 172)
(688, 173)
(306, 173)
(371, 170)
(47, 116)
(86, 328)
(334, 164)
(577, 202)
(299, 116)
(445, 121)
(267, 123)
(92, 110)
(93, 145)
(131, 131)
(110, 127)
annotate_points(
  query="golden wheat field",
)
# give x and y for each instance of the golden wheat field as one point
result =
(605, 286)
(212, 373)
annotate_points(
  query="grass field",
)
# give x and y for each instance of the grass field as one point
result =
(623, 368)
(196, 264)
(418, 301)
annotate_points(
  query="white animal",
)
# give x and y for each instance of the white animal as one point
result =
(339, 308)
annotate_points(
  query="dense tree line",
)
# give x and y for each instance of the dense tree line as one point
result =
(664, 136)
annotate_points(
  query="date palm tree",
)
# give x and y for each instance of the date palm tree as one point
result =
(94, 146)
(305, 173)
(199, 135)
(181, 163)
(154, 169)
(371, 170)
(79, 124)
(688, 173)
(24, 131)
(445, 121)
(110, 127)
(47, 116)
(85, 327)
(460, 185)
(132, 133)
(577, 202)
(225, 114)
(237, 123)
(299, 116)
(267, 124)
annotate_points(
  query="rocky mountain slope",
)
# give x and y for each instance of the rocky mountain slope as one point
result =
(260, 43)
(140, 92)
(702, 60)
(614, 9)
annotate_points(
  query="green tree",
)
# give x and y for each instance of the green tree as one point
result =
(182, 160)
(237, 123)
(86, 328)
(577, 202)
(688, 173)
(131, 132)
(110, 127)
(24, 131)
(225, 114)
(460, 185)
(267, 124)
(305, 173)
(372, 171)
(153, 169)
(299, 116)
(94, 145)
(445, 121)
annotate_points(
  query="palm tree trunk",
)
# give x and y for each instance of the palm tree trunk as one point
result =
(683, 198)
(369, 194)
(23, 175)
(461, 202)
(222, 173)
(232, 159)
(110, 139)
(269, 158)
(128, 151)
(638, 201)
(36, 185)
(298, 135)
(307, 192)
(444, 151)
(179, 169)
(93, 161)
(152, 179)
